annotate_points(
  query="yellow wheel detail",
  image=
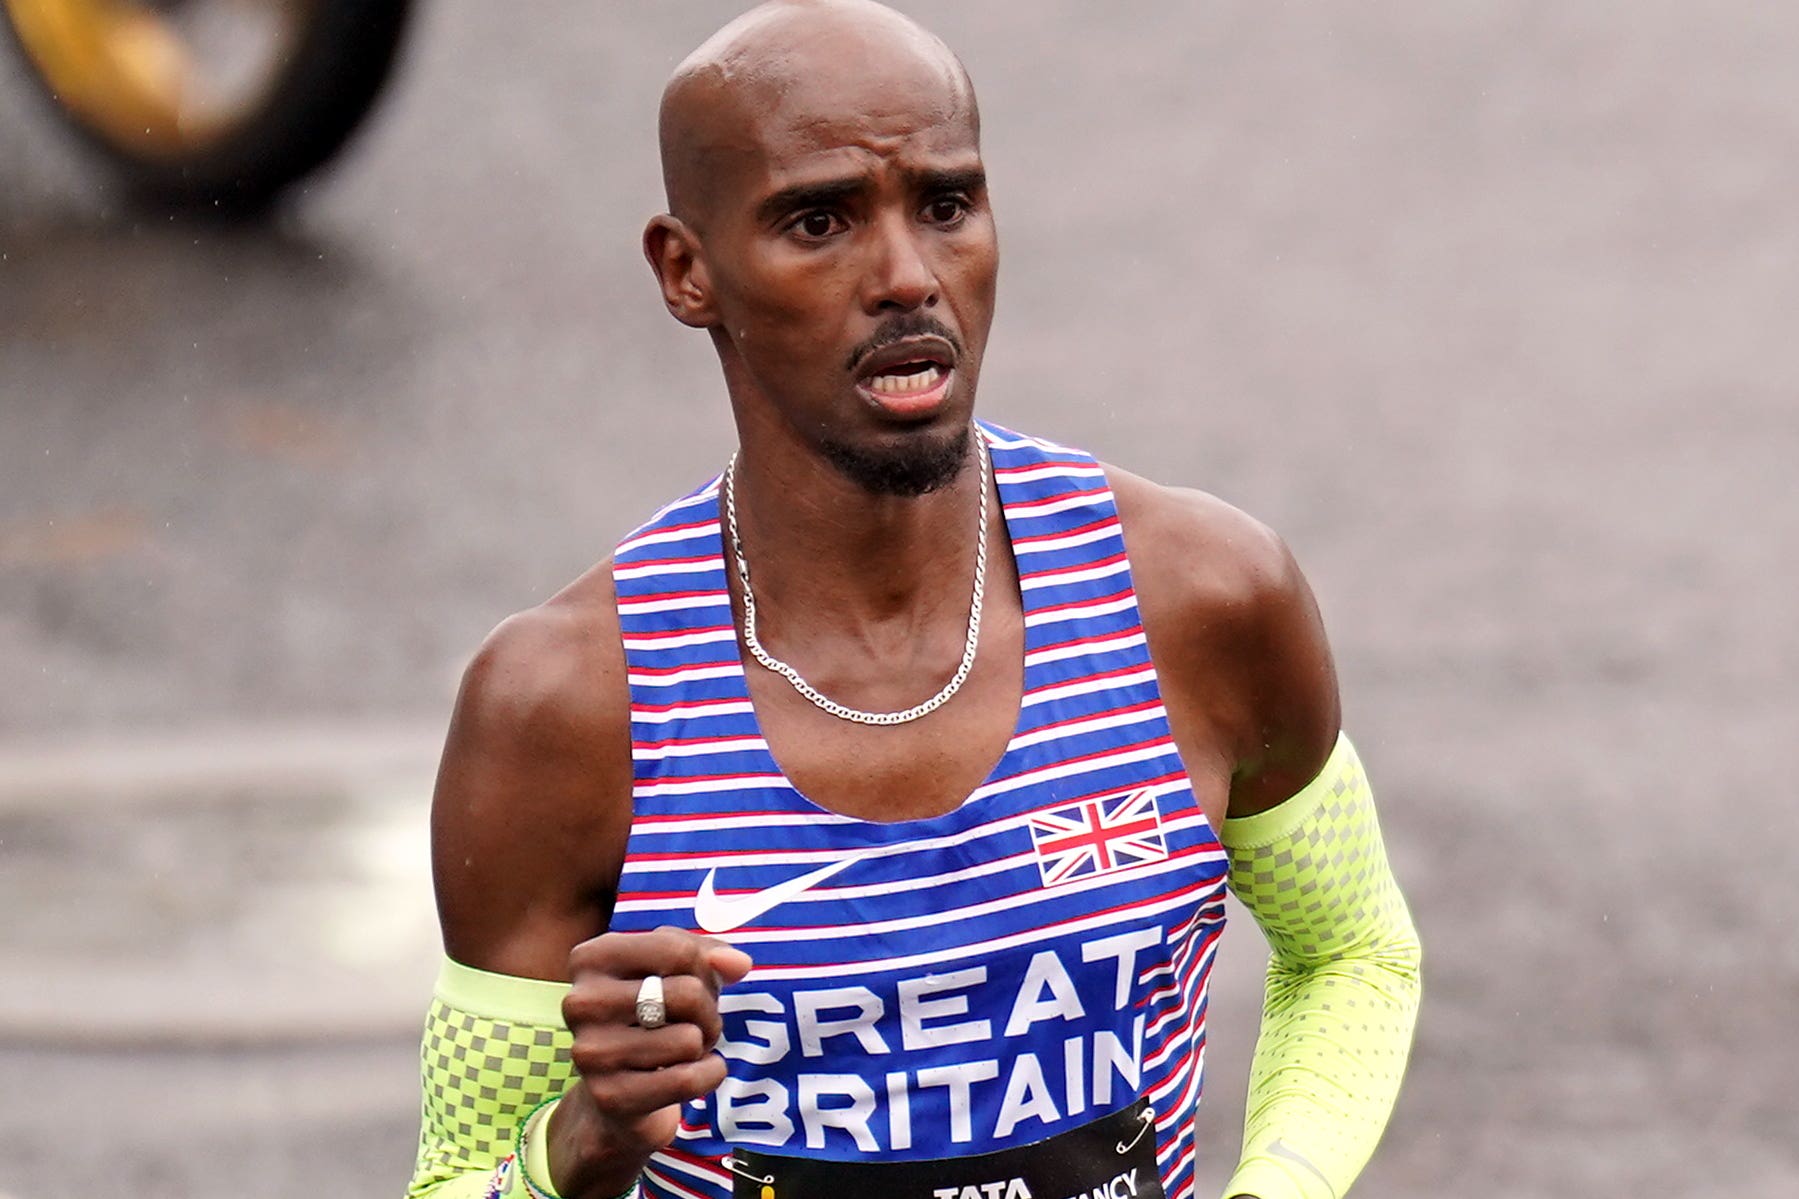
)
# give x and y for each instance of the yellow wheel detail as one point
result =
(159, 80)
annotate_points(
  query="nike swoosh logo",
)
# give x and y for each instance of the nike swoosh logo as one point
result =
(1278, 1148)
(721, 914)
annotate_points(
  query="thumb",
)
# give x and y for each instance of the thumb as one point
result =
(732, 964)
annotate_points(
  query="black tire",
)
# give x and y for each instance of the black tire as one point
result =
(311, 106)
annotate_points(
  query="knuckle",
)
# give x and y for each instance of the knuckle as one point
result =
(676, 946)
(606, 1091)
(592, 1002)
(596, 953)
(593, 1053)
(577, 1006)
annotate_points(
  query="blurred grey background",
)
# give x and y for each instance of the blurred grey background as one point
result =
(1490, 308)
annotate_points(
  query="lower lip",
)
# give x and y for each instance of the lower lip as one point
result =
(910, 405)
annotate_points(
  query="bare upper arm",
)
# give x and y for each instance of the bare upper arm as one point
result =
(1236, 637)
(533, 800)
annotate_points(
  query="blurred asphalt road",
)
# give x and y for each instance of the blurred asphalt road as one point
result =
(1489, 309)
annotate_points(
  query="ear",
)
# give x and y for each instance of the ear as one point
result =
(675, 255)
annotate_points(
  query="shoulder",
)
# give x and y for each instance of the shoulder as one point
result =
(1235, 634)
(533, 798)
(550, 674)
(1191, 549)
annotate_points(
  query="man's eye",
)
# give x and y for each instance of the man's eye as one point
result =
(817, 224)
(945, 210)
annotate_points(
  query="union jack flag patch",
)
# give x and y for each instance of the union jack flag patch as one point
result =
(1098, 836)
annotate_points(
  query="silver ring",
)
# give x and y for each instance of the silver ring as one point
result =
(652, 1012)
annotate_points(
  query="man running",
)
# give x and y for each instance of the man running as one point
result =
(863, 824)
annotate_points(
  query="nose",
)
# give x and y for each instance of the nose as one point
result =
(901, 277)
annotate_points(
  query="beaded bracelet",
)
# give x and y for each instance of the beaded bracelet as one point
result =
(525, 1129)
(532, 1187)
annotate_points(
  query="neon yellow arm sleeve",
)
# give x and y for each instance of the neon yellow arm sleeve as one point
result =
(494, 1049)
(1342, 991)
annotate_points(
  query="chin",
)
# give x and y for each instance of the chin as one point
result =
(918, 462)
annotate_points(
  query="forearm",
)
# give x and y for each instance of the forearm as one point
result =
(1342, 990)
(494, 1050)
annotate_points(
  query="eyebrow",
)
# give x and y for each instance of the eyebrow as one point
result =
(964, 179)
(819, 194)
(823, 193)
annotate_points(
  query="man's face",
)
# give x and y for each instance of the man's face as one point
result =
(852, 259)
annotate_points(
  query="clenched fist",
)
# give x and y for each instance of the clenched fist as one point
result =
(633, 1080)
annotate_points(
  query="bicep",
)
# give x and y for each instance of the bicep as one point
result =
(1237, 638)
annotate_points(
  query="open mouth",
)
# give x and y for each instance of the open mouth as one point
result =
(907, 379)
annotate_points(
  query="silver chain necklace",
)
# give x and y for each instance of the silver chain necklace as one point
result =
(807, 689)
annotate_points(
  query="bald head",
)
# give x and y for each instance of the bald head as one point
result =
(788, 62)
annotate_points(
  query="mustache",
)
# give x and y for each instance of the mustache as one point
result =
(899, 328)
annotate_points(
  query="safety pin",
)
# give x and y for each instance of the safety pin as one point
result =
(730, 1163)
(1148, 1118)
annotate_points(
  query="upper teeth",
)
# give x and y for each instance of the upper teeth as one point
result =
(918, 381)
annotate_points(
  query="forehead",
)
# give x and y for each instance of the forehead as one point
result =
(853, 112)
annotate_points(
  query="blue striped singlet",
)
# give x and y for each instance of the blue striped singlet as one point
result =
(971, 982)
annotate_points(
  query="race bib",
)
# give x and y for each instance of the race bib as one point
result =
(1113, 1157)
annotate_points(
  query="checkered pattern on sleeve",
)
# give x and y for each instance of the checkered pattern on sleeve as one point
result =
(481, 1077)
(1321, 885)
(1343, 984)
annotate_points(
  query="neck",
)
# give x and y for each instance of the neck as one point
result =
(816, 541)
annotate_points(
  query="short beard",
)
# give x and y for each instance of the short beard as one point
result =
(919, 466)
